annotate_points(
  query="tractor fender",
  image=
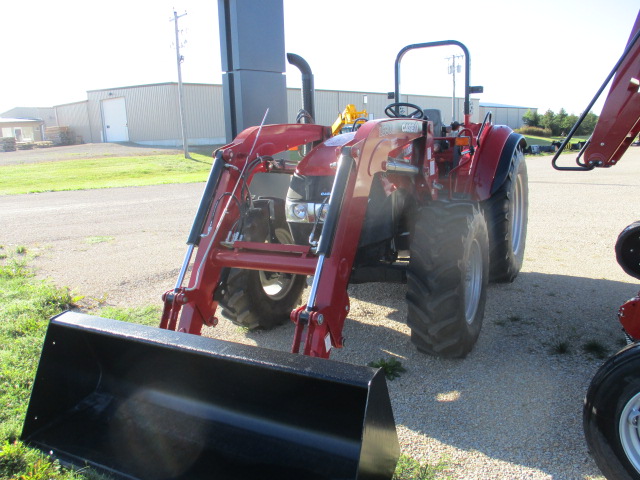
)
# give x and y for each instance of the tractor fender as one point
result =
(495, 160)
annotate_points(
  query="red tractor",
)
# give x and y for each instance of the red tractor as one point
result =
(401, 199)
(404, 199)
(612, 405)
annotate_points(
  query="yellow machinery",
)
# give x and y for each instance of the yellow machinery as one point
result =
(348, 117)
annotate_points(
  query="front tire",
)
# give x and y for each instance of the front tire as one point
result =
(258, 299)
(507, 215)
(611, 415)
(447, 279)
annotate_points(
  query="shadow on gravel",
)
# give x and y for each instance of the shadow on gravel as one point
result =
(517, 397)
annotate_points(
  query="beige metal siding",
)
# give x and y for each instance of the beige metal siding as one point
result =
(294, 103)
(204, 110)
(376, 103)
(327, 107)
(76, 117)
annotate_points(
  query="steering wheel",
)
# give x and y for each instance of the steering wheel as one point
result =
(393, 110)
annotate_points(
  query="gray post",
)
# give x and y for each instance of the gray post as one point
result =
(253, 64)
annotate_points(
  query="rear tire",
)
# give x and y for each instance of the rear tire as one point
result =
(611, 415)
(507, 214)
(447, 279)
(258, 299)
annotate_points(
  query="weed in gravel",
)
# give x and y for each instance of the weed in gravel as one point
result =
(21, 250)
(14, 269)
(392, 368)
(560, 348)
(92, 240)
(595, 348)
(410, 469)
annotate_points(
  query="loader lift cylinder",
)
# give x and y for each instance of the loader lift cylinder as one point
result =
(345, 167)
(206, 200)
(201, 215)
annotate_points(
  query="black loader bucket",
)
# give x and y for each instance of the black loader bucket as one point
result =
(141, 402)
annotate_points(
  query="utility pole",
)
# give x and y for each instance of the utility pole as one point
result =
(453, 69)
(180, 59)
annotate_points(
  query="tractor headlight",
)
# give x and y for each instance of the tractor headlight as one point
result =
(306, 212)
(299, 211)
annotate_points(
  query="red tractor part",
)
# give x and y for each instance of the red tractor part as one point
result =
(629, 316)
(619, 122)
(148, 403)
(628, 256)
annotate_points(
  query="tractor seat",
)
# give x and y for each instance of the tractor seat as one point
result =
(435, 116)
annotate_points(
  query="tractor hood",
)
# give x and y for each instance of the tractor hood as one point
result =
(323, 159)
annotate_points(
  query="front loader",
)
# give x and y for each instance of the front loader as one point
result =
(404, 199)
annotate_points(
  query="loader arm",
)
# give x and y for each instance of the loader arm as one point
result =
(619, 122)
(358, 158)
(187, 309)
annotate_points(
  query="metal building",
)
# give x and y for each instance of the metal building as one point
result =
(510, 115)
(150, 114)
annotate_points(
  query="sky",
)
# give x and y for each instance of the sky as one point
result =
(544, 54)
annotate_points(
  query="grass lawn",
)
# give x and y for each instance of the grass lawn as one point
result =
(26, 304)
(81, 174)
(532, 140)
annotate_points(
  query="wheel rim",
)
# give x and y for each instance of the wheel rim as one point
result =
(276, 284)
(517, 221)
(473, 282)
(628, 428)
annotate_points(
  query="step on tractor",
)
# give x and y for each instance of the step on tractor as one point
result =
(442, 208)
(612, 405)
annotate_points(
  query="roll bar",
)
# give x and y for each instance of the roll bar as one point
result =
(468, 90)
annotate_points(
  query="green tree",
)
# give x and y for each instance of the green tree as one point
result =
(548, 119)
(559, 122)
(588, 124)
(568, 123)
(531, 118)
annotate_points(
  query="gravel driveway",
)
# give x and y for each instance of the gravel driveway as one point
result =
(510, 410)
